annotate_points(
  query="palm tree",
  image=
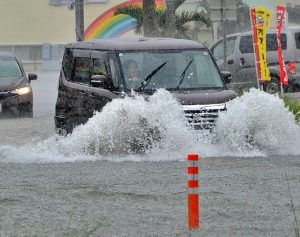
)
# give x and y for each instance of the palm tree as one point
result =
(171, 16)
(162, 22)
(149, 16)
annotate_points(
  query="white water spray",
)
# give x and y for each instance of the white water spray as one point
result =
(256, 124)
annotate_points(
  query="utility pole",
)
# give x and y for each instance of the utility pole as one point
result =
(171, 20)
(224, 19)
(79, 14)
(150, 21)
(223, 11)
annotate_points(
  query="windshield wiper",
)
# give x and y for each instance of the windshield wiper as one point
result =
(146, 81)
(182, 76)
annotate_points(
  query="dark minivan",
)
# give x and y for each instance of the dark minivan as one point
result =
(96, 72)
(241, 59)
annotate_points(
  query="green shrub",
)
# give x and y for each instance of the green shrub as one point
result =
(294, 107)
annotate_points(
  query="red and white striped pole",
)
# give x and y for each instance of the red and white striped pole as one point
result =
(193, 195)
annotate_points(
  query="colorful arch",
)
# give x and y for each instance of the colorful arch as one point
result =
(107, 25)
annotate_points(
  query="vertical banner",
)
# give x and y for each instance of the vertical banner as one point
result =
(255, 43)
(261, 19)
(280, 11)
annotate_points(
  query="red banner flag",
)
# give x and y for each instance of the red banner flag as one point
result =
(280, 11)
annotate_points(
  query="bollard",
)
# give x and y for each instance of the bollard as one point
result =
(193, 195)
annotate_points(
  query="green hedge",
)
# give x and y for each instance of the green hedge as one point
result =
(294, 107)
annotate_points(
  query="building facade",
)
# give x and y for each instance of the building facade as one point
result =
(37, 30)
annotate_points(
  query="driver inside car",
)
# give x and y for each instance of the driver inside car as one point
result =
(133, 78)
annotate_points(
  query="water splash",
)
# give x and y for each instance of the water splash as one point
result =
(129, 125)
(135, 129)
(127, 129)
(258, 123)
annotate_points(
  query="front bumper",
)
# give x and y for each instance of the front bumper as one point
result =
(294, 80)
(12, 105)
(203, 116)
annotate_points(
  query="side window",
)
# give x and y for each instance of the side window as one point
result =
(114, 73)
(246, 44)
(82, 70)
(230, 47)
(297, 40)
(218, 51)
(272, 42)
(67, 63)
(99, 66)
(104, 64)
(283, 42)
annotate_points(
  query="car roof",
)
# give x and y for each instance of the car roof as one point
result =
(272, 30)
(136, 44)
(295, 28)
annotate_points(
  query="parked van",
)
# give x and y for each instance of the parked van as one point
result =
(96, 72)
(241, 59)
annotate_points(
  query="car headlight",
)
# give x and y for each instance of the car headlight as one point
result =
(22, 91)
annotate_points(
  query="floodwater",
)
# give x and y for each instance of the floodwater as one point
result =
(95, 183)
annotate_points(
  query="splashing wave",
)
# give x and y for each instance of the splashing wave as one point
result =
(255, 124)
(258, 123)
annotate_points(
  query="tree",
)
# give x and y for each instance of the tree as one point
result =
(171, 16)
(149, 18)
(161, 21)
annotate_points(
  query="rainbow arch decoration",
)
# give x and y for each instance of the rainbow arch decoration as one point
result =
(107, 25)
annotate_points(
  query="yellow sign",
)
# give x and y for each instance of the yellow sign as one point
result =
(262, 22)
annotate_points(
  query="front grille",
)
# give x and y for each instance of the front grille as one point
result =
(4, 95)
(203, 116)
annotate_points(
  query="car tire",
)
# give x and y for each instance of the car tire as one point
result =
(63, 129)
(61, 132)
(273, 86)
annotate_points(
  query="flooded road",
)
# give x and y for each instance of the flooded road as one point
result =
(54, 186)
(239, 197)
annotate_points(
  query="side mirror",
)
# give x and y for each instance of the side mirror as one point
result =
(227, 77)
(99, 81)
(32, 76)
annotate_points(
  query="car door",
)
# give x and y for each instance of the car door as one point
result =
(78, 86)
(100, 95)
(296, 36)
(245, 63)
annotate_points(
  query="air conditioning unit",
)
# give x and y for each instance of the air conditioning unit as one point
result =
(71, 4)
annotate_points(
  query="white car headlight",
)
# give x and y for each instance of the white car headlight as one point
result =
(22, 91)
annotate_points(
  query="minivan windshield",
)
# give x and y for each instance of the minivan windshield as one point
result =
(190, 69)
(9, 68)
